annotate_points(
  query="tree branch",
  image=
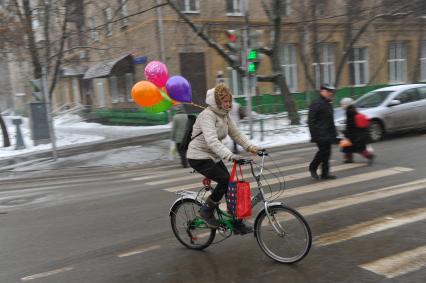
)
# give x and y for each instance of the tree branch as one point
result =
(207, 39)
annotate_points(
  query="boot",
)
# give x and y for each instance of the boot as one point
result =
(240, 228)
(207, 213)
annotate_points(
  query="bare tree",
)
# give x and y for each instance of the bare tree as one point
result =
(273, 9)
(45, 28)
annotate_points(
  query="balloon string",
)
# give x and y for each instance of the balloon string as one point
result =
(193, 104)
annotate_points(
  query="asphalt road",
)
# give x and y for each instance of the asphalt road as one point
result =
(112, 225)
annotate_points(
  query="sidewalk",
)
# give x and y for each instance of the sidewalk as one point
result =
(74, 136)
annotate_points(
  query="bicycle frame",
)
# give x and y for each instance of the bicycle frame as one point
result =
(226, 219)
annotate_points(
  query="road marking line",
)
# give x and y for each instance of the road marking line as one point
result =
(398, 264)
(343, 181)
(362, 197)
(46, 274)
(276, 170)
(297, 176)
(371, 226)
(185, 170)
(139, 251)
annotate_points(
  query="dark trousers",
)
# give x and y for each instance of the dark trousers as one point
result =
(322, 157)
(182, 154)
(214, 171)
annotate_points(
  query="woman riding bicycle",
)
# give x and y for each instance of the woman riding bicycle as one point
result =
(206, 150)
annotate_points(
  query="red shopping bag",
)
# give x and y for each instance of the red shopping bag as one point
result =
(361, 121)
(238, 196)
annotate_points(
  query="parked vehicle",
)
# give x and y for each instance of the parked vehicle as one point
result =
(390, 109)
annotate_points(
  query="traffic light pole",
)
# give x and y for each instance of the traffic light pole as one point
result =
(246, 86)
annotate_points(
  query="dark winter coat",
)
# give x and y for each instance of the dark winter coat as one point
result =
(357, 135)
(321, 121)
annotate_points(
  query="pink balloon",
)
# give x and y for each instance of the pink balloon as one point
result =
(156, 72)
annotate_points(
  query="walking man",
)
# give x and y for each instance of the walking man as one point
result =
(178, 131)
(323, 131)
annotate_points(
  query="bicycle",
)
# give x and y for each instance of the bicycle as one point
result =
(278, 228)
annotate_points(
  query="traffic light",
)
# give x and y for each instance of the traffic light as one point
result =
(233, 44)
(252, 61)
(253, 55)
(37, 89)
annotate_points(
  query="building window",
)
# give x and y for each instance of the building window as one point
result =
(124, 12)
(397, 62)
(289, 65)
(234, 7)
(113, 88)
(358, 67)
(423, 62)
(286, 7)
(93, 30)
(189, 6)
(129, 84)
(324, 70)
(108, 18)
(321, 8)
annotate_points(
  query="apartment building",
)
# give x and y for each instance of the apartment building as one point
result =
(321, 41)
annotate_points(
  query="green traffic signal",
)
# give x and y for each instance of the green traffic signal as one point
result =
(252, 55)
(252, 68)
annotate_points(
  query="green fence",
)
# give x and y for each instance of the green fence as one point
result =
(269, 104)
(130, 117)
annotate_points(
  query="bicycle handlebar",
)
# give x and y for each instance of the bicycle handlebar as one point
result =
(243, 161)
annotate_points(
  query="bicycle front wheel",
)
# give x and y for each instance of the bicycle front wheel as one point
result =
(187, 225)
(284, 236)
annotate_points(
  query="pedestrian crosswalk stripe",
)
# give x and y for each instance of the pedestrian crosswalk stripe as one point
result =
(197, 176)
(195, 186)
(343, 181)
(139, 251)
(351, 200)
(398, 264)
(46, 274)
(187, 170)
(362, 197)
(371, 226)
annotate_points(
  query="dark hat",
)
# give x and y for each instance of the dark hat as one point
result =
(328, 87)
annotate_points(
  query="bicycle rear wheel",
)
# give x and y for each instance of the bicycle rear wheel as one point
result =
(187, 225)
(286, 238)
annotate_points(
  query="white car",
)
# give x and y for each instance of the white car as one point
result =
(390, 109)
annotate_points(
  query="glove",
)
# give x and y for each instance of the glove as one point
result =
(253, 149)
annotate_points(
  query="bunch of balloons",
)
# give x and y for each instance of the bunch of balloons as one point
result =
(160, 92)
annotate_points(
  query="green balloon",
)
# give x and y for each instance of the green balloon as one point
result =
(159, 107)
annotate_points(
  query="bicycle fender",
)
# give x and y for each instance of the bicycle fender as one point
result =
(188, 195)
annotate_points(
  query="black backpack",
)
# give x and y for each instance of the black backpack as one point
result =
(188, 133)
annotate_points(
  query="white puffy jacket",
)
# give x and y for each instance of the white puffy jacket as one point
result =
(215, 124)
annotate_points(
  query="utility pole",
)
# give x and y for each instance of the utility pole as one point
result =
(244, 63)
(48, 105)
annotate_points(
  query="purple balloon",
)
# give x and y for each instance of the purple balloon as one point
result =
(179, 89)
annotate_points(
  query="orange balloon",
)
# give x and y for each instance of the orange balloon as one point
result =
(146, 94)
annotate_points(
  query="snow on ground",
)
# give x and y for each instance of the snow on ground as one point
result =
(72, 130)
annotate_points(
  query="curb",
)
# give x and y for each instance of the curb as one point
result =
(85, 148)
